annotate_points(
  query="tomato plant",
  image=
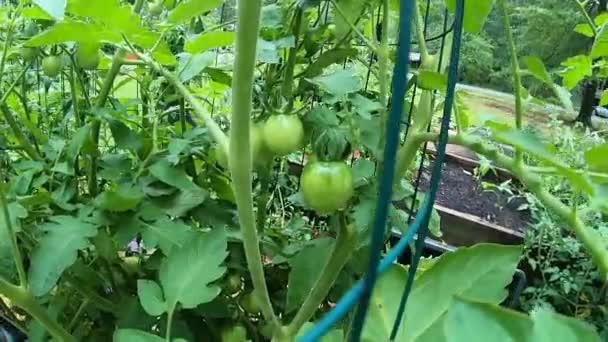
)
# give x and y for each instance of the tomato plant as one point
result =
(173, 195)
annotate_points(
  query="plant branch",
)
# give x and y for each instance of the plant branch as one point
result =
(106, 87)
(383, 55)
(581, 8)
(424, 54)
(13, 237)
(20, 297)
(340, 255)
(287, 88)
(199, 111)
(354, 28)
(502, 7)
(248, 26)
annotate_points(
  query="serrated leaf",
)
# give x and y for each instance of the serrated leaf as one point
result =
(181, 202)
(577, 69)
(124, 136)
(57, 250)
(16, 212)
(186, 275)
(475, 13)
(268, 51)
(272, 16)
(54, 8)
(597, 158)
(600, 45)
(173, 176)
(328, 58)
(73, 31)
(191, 66)
(305, 269)
(339, 83)
(363, 171)
(364, 106)
(168, 234)
(209, 40)
(481, 273)
(473, 321)
(79, 141)
(584, 29)
(133, 335)
(123, 198)
(151, 297)
(189, 9)
(536, 67)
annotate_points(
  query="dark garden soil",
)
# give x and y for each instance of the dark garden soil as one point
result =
(459, 190)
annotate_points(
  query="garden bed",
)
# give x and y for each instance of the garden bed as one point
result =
(471, 214)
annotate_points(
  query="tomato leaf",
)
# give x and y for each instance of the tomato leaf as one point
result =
(151, 297)
(209, 40)
(55, 8)
(481, 273)
(272, 16)
(339, 83)
(173, 176)
(133, 335)
(363, 172)
(328, 58)
(475, 13)
(473, 321)
(189, 9)
(123, 198)
(191, 66)
(584, 29)
(73, 31)
(124, 136)
(186, 275)
(577, 69)
(432, 80)
(168, 234)
(57, 250)
(306, 267)
(536, 67)
(181, 202)
(596, 158)
(7, 264)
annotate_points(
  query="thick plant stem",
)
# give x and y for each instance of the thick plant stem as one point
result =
(264, 177)
(106, 87)
(406, 154)
(13, 236)
(340, 255)
(287, 88)
(424, 54)
(20, 297)
(248, 25)
(502, 7)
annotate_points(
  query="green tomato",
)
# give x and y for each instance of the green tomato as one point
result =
(232, 284)
(87, 57)
(250, 303)
(52, 65)
(131, 264)
(156, 8)
(326, 186)
(283, 134)
(28, 54)
(235, 333)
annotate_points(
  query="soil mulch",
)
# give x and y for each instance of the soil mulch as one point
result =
(459, 190)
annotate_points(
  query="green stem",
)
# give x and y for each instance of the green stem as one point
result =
(383, 71)
(581, 8)
(20, 297)
(138, 6)
(7, 43)
(199, 110)
(106, 87)
(13, 236)
(72, 80)
(424, 54)
(287, 88)
(169, 325)
(79, 312)
(248, 25)
(407, 154)
(354, 28)
(263, 197)
(502, 7)
(16, 128)
(340, 255)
